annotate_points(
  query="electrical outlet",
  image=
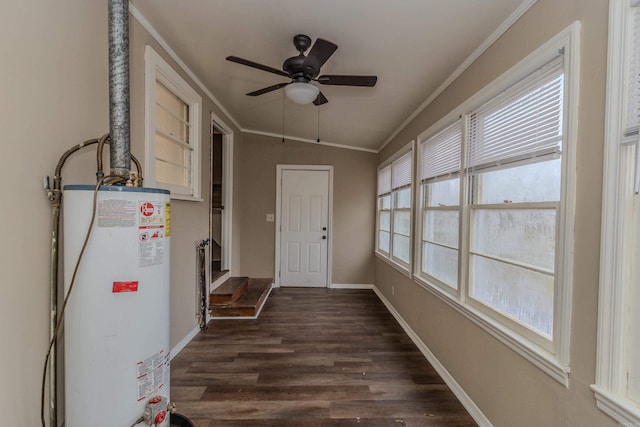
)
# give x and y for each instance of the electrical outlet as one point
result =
(270, 218)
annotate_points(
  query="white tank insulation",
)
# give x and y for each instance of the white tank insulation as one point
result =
(116, 328)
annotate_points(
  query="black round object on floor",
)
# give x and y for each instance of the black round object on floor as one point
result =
(177, 420)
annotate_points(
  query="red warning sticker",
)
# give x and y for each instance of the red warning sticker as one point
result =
(124, 287)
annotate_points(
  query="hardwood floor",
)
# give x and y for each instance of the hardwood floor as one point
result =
(315, 357)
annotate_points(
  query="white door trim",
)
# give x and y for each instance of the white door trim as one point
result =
(227, 192)
(279, 169)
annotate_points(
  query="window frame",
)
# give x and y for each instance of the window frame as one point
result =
(520, 328)
(390, 258)
(380, 209)
(394, 209)
(620, 163)
(554, 359)
(543, 76)
(158, 70)
(423, 189)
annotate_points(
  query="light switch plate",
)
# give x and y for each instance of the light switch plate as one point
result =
(270, 218)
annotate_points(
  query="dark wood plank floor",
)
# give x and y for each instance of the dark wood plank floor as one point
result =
(315, 357)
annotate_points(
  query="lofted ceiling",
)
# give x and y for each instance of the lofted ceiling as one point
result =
(413, 46)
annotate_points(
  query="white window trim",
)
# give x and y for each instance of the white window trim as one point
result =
(389, 258)
(618, 187)
(227, 190)
(555, 364)
(156, 68)
(419, 276)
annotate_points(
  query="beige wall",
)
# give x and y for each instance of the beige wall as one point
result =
(508, 389)
(53, 94)
(353, 205)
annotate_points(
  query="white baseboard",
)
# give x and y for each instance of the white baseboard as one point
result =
(350, 286)
(464, 398)
(183, 342)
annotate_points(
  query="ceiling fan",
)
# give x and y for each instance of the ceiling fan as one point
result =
(303, 69)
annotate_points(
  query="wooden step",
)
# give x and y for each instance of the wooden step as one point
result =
(230, 291)
(249, 304)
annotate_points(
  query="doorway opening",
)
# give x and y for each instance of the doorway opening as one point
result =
(221, 199)
(216, 203)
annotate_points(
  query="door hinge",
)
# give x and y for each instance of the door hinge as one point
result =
(279, 273)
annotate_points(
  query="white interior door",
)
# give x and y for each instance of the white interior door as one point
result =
(304, 237)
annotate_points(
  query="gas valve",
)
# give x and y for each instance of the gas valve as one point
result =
(155, 412)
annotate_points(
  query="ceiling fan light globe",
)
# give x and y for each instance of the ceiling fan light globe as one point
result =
(301, 93)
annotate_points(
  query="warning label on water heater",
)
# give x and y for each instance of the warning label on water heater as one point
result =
(116, 213)
(151, 374)
(151, 233)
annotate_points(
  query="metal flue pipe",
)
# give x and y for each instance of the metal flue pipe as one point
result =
(119, 118)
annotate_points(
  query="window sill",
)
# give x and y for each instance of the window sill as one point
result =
(401, 268)
(618, 408)
(186, 198)
(530, 351)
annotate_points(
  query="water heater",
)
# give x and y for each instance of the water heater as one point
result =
(116, 327)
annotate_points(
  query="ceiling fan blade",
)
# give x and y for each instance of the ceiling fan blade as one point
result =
(267, 89)
(336, 80)
(320, 100)
(256, 65)
(320, 52)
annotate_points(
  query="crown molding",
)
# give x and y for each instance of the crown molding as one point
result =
(310, 141)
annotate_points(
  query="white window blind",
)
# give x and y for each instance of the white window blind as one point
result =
(440, 154)
(401, 172)
(633, 92)
(384, 180)
(172, 115)
(521, 124)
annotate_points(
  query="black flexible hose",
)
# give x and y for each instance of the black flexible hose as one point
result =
(58, 171)
(105, 139)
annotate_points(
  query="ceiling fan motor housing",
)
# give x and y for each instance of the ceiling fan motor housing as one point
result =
(294, 66)
(297, 71)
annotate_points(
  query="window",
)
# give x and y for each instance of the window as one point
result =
(384, 210)
(394, 210)
(440, 157)
(514, 177)
(173, 112)
(497, 180)
(617, 387)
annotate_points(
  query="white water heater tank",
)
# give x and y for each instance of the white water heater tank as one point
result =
(116, 326)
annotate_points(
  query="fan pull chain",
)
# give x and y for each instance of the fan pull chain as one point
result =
(318, 140)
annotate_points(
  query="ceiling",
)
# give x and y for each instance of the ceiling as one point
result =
(413, 46)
